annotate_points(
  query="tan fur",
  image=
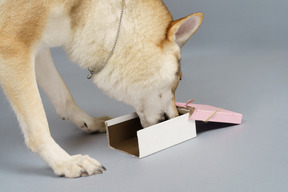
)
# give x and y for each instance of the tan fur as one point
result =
(144, 70)
(20, 26)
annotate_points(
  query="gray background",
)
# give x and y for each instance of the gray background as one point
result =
(237, 60)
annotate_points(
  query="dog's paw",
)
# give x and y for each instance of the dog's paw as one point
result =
(79, 166)
(84, 121)
(94, 125)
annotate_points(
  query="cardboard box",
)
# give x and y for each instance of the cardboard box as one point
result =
(127, 135)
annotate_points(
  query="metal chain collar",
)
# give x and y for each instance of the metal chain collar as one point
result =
(92, 70)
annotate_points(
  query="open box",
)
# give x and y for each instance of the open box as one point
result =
(126, 134)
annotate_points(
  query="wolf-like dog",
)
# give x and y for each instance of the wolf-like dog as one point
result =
(144, 70)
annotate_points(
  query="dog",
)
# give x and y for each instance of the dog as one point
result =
(143, 71)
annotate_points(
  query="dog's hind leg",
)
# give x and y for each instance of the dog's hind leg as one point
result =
(17, 77)
(51, 82)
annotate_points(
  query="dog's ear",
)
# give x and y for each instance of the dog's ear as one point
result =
(182, 29)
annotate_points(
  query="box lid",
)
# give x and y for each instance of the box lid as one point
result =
(209, 113)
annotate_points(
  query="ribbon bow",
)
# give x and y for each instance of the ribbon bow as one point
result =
(192, 110)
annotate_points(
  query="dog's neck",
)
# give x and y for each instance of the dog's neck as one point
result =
(101, 23)
(93, 27)
(94, 70)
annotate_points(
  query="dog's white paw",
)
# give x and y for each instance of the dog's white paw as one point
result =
(84, 121)
(79, 166)
(93, 125)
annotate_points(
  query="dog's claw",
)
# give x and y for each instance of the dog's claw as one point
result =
(84, 173)
(62, 175)
(99, 171)
(104, 168)
(85, 124)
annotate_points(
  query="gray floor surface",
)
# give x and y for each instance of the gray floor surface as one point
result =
(251, 157)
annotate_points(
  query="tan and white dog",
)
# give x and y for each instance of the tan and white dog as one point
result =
(144, 70)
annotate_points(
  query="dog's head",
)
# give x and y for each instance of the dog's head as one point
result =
(159, 103)
(150, 76)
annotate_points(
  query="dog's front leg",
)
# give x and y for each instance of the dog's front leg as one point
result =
(51, 82)
(17, 77)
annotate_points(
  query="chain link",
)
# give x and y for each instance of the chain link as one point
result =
(92, 70)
